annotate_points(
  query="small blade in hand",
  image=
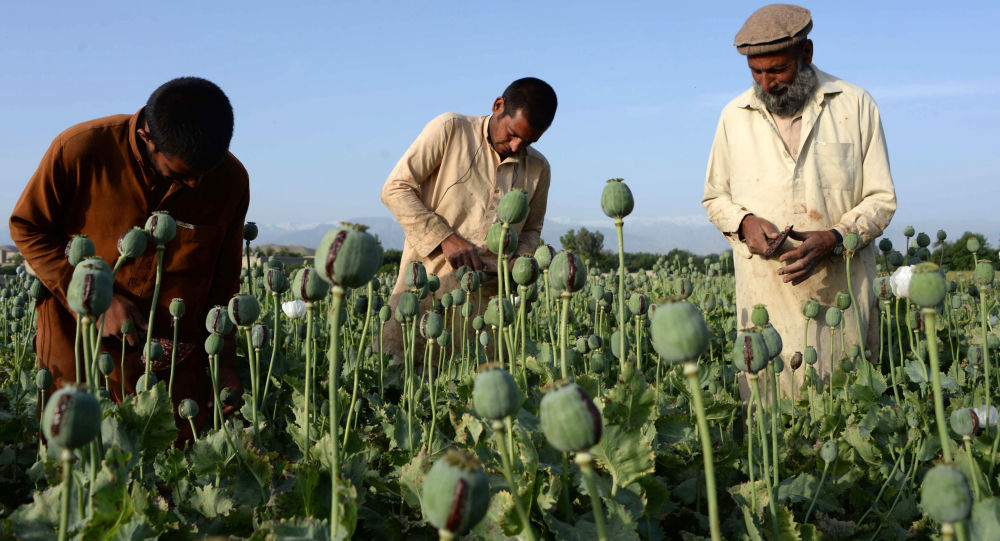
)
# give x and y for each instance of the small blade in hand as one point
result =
(775, 243)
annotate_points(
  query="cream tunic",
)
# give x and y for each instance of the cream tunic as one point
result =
(839, 179)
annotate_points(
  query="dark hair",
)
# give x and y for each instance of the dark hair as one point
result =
(534, 98)
(190, 118)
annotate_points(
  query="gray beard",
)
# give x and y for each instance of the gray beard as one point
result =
(790, 102)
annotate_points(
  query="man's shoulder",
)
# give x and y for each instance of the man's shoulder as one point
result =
(843, 90)
(535, 155)
(453, 120)
(96, 133)
(739, 104)
(232, 169)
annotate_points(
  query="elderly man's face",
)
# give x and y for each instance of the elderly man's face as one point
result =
(774, 72)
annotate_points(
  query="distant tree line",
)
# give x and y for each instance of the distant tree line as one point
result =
(589, 245)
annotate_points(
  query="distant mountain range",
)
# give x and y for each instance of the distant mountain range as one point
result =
(641, 235)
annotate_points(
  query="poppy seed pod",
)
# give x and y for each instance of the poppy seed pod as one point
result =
(458, 296)
(214, 344)
(495, 395)
(446, 300)
(431, 325)
(308, 286)
(513, 207)
(908, 231)
(384, 314)
(544, 255)
(833, 316)
(470, 282)
(773, 341)
(842, 300)
(895, 258)
(79, 248)
(570, 420)
(945, 496)
(525, 270)
(810, 308)
(416, 275)
(505, 308)
(347, 257)
(964, 421)
(885, 245)
(679, 332)
(484, 339)
(161, 227)
(851, 241)
(616, 199)
(188, 409)
(408, 304)
(616, 344)
(275, 281)
(72, 418)
(145, 382)
(683, 287)
(478, 323)
(810, 355)
(91, 288)
(883, 287)
(975, 355)
(972, 244)
(923, 240)
(567, 272)
(638, 304)
(43, 379)
(444, 339)
(133, 242)
(244, 310)
(984, 273)
(796, 360)
(828, 452)
(249, 231)
(853, 351)
(493, 239)
(217, 321)
(259, 336)
(749, 352)
(582, 345)
(105, 363)
(176, 307)
(941, 235)
(595, 341)
(456, 492)
(759, 316)
(927, 287)
(708, 303)
(152, 352)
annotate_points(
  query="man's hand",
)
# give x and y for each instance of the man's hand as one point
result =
(460, 252)
(815, 246)
(228, 378)
(122, 309)
(756, 232)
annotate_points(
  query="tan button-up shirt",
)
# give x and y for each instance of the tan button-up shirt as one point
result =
(451, 180)
(840, 179)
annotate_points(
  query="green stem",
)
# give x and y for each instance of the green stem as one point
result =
(67, 486)
(691, 371)
(584, 460)
(332, 385)
(563, 320)
(854, 303)
(930, 317)
(621, 293)
(357, 365)
(972, 469)
(274, 348)
(307, 446)
(173, 359)
(152, 307)
(888, 346)
(755, 391)
(822, 479)
(498, 431)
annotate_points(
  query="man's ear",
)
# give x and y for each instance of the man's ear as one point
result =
(498, 105)
(807, 52)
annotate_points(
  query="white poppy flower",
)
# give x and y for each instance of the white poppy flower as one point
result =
(294, 309)
(981, 414)
(900, 281)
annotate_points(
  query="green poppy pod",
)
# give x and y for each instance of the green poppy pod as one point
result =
(883, 287)
(828, 452)
(244, 310)
(544, 255)
(972, 244)
(638, 304)
(908, 231)
(923, 240)
(72, 418)
(308, 286)
(679, 332)
(145, 382)
(570, 420)
(176, 308)
(964, 421)
(433, 283)
(415, 275)
(495, 395)
(842, 300)
(810, 308)
(259, 336)
(846, 365)
(444, 339)
(616, 199)
(885, 245)
(214, 344)
(773, 340)
(478, 323)
(810, 355)
(582, 346)
(796, 360)
(941, 235)
(895, 258)
(456, 492)
(458, 297)
(91, 289)
(513, 207)
(384, 314)
(833, 316)
(616, 345)
(567, 272)
(927, 287)
(913, 320)
(984, 273)
(274, 263)
(484, 339)
(37, 290)
(188, 409)
(778, 363)
(851, 241)
(408, 305)
(505, 308)
(494, 236)
(470, 282)
(682, 287)
(525, 270)
(975, 355)
(161, 227)
(275, 281)
(431, 325)
(105, 363)
(595, 341)
(126, 327)
(133, 242)
(347, 257)
(79, 248)
(923, 254)
(853, 351)
(598, 362)
(759, 316)
(446, 300)
(945, 496)
(749, 352)
(708, 303)
(43, 379)
(250, 231)
(218, 321)
(152, 352)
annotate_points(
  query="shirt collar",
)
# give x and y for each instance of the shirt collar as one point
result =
(827, 85)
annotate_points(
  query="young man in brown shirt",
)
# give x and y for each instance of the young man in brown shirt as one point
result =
(102, 177)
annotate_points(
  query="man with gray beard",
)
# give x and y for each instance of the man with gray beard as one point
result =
(803, 149)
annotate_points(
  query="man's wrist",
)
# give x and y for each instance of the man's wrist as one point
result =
(838, 242)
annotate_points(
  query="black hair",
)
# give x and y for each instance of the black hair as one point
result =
(190, 118)
(534, 98)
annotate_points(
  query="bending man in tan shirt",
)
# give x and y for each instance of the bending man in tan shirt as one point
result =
(445, 189)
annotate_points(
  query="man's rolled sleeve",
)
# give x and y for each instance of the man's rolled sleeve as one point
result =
(424, 229)
(717, 198)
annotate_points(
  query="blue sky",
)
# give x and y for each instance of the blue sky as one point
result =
(328, 95)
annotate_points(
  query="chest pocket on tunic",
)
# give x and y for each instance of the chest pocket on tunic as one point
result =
(835, 164)
(191, 257)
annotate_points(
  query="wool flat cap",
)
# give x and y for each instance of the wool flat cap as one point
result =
(772, 28)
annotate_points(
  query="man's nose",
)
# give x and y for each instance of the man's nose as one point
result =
(768, 82)
(516, 144)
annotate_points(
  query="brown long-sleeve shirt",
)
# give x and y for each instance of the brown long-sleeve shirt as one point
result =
(93, 181)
